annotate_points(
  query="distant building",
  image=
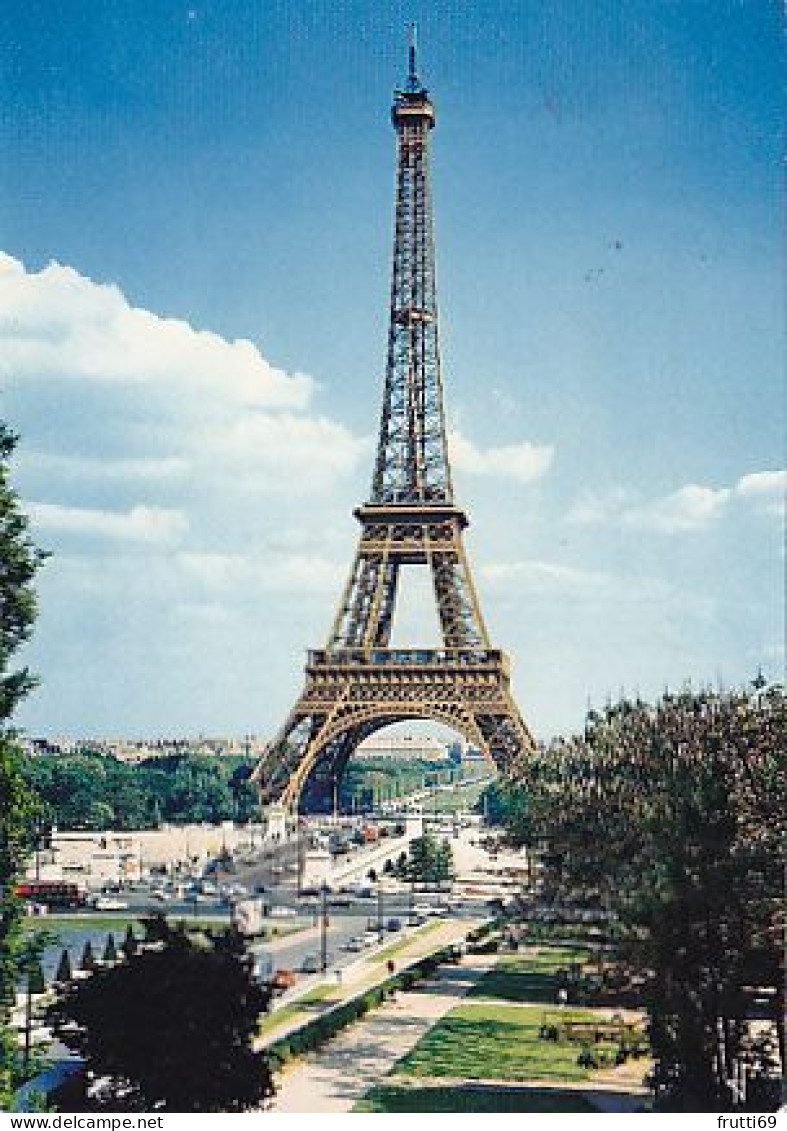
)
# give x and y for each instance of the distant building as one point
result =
(133, 751)
(403, 746)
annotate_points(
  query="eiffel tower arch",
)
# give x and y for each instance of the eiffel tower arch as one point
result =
(357, 683)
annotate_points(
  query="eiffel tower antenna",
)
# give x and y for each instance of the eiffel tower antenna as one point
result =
(412, 77)
(357, 683)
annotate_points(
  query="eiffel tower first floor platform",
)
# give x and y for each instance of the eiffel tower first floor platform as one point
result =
(351, 693)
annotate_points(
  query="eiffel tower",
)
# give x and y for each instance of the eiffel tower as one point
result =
(358, 683)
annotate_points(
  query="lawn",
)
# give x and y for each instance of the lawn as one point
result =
(498, 1042)
(399, 946)
(471, 1099)
(278, 1018)
(528, 977)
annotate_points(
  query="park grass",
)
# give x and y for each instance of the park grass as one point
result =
(121, 921)
(529, 976)
(386, 1098)
(496, 1042)
(79, 922)
(269, 1022)
(402, 944)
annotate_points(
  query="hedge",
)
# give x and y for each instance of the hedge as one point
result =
(315, 1033)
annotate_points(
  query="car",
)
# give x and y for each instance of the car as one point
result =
(394, 925)
(105, 903)
(283, 980)
(282, 912)
(340, 900)
(311, 964)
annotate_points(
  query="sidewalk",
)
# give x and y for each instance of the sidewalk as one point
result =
(335, 1077)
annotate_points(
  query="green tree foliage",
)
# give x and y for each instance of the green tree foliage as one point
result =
(88, 959)
(506, 803)
(19, 561)
(110, 950)
(64, 972)
(35, 978)
(672, 819)
(368, 781)
(431, 861)
(129, 945)
(90, 790)
(172, 1028)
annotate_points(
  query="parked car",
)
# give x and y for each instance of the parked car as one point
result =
(311, 964)
(394, 925)
(283, 980)
(340, 900)
(107, 903)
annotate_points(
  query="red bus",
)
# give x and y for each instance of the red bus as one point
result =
(53, 893)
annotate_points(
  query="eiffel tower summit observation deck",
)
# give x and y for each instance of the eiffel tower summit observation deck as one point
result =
(357, 683)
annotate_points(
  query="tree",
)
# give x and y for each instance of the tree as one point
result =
(172, 1028)
(110, 950)
(64, 972)
(129, 945)
(670, 818)
(443, 868)
(431, 861)
(19, 561)
(88, 959)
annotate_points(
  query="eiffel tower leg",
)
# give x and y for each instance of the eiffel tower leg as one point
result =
(507, 738)
(457, 603)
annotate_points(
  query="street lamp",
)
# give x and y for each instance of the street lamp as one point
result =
(301, 850)
(380, 931)
(324, 929)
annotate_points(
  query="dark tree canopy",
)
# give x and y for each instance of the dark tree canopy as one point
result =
(91, 790)
(671, 818)
(171, 1028)
(19, 561)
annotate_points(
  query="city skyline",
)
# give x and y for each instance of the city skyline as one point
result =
(195, 342)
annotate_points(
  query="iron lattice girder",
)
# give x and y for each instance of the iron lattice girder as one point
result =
(358, 684)
(350, 694)
(397, 536)
(412, 459)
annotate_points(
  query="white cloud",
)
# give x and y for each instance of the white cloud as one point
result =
(58, 322)
(691, 508)
(86, 467)
(176, 404)
(591, 508)
(763, 483)
(765, 489)
(152, 525)
(286, 451)
(275, 572)
(540, 575)
(524, 462)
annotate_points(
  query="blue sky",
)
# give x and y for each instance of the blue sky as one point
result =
(195, 221)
